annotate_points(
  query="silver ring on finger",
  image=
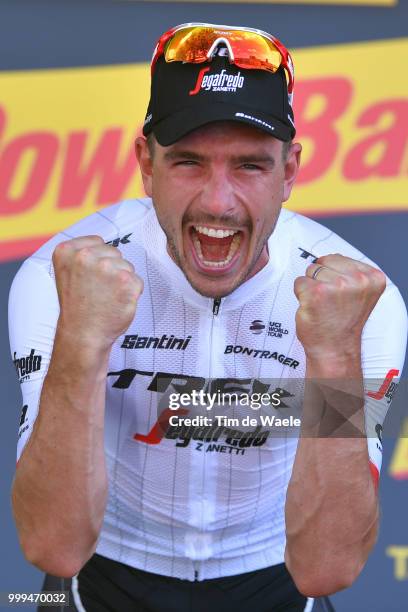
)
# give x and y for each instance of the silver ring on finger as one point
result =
(316, 272)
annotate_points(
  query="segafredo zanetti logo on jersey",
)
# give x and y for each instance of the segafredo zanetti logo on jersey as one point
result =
(219, 81)
(27, 365)
(222, 435)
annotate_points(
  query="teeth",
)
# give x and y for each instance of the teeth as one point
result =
(198, 248)
(214, 233)
(218, 264)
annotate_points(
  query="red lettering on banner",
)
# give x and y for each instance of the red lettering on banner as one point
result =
(77, 175)
(393, 141)
(44, 145)
(2, 121)
(336, 92)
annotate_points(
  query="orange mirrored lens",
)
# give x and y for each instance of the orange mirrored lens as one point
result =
(190, 45)
(251, 50)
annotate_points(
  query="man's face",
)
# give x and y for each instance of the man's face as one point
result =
(218, 193)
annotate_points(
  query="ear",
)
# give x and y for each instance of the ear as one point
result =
(145, 163)
(291, 165)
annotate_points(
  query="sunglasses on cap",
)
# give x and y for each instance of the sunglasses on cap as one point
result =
(247, 48)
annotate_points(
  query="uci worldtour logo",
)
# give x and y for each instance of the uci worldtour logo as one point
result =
(220, 81)
(275, 328)
(257, 326)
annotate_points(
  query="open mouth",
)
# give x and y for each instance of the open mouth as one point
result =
(215, 249)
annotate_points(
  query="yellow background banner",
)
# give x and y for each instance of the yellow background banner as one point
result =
(66, 137)
(398, 468)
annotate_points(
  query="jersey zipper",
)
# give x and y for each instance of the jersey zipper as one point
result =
(215, 310)
(216, 303)
(216, 306)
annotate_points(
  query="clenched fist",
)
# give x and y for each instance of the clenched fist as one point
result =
(336, 297)
(98, 290)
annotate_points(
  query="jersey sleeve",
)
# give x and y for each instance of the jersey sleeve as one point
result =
(33, 315)
(383, 354)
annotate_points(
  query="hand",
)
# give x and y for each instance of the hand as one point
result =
(334, 307)
(98, 290)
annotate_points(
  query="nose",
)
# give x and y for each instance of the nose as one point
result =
(218, 197)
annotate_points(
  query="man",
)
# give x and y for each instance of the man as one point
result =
(205, 285)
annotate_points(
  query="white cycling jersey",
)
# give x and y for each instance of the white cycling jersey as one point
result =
(198, 502)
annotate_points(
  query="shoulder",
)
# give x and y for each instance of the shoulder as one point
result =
(114, 224)
(315, 238)
(311, 239)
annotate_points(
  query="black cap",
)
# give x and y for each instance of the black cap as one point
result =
(187, 96)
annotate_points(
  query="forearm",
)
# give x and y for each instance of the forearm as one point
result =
(60, 487)
(331, 506)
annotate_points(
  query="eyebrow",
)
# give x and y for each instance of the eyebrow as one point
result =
(252, 158)
(180, 154)
(256, 158)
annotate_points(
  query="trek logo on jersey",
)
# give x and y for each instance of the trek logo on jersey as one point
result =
(379, 439)
(235, 439)
(23, 425)
(23, 416)
(220, 81)
(117, 241)
(163, 342)
(261, 354)
(27, 365)
(306, 255)
(275, 328)
(160, 382)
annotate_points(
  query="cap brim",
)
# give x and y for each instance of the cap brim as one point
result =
(172, 128)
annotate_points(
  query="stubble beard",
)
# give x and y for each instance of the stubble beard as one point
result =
(175, 255)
